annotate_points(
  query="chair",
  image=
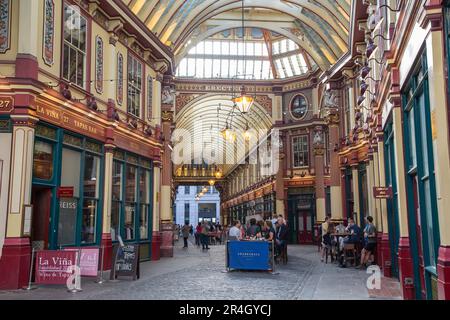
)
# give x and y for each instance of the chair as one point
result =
(350, 253)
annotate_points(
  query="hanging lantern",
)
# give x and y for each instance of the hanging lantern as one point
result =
(211, 182)
(244, 102)
(204, 190)
(218, 174)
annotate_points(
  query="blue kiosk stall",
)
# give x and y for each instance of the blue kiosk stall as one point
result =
(250, 255)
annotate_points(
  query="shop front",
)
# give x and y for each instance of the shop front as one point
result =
(67, 194)
(131, 201)
(301, 215)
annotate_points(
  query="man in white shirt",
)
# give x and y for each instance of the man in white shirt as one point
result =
(235, 231)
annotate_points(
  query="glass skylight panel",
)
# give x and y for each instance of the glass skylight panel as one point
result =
(224, 70)
(279, 67)
(258, 69)
(182, 68)
(208, 47)
(225, 48)
(259, 49)
(216, 48)
(233, 66)
(250, 48)
(240, 68)
(200, 48)
(276, 47)
(216, 68)
(233, 48)
(265, 53)
(249, 72)
(266, 69)
(287, 67)
(240, 48)
(193, 50)
(295, 64)
(303, 64)
(191, 67)
(200, 68)
(208, 68)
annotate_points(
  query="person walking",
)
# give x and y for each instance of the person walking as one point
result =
(185, 232)
(204, 235)
(198, 232)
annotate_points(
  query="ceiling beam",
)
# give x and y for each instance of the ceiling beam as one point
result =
(268, 42)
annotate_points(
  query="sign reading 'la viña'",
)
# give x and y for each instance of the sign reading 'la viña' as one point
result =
(52, 266)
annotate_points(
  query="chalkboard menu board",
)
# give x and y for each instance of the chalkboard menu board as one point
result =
(125, 261)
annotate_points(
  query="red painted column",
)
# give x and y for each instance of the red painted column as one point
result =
(405, 268)
(15, 263)
(443, 271)
(386, 261)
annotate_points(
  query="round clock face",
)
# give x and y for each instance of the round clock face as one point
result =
(299, 107)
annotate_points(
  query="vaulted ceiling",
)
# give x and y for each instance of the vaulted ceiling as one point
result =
(319, 27)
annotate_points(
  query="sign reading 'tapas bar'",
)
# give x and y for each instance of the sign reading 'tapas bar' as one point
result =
(382, 192)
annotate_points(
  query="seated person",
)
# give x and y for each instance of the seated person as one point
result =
(235, 231)
(253, 230)
(354, 231)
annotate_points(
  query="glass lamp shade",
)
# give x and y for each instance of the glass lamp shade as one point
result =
(244, 103)
(218, 174)
(197, 198)
(204, 190)
(200, 194)
(211, 182)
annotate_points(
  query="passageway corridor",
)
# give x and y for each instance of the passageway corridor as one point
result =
(194, 274)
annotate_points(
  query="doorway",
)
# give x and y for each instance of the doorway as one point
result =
(41, 198)
(301, 218)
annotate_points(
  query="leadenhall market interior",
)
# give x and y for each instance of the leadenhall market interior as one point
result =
(306, 109)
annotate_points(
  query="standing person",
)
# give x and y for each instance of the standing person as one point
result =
(370, 241)
(198, 232)
(185, 233)
(326, 238)
(204, 235)
(235, 231)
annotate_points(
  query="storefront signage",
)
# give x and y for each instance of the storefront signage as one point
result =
(301, 183)
(141, 148)
(65, 192)
(6, 104)
(382, 192)
(52, 266)
(249, 255)
(69, 121)
(88, 261)
(125, 261)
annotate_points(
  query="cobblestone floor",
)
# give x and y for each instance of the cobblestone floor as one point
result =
(198, 275)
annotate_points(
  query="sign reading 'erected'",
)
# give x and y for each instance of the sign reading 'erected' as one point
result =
(382, 192)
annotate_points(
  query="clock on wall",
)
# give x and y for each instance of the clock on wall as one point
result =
(299, 107)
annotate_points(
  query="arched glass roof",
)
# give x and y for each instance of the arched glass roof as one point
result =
(320, 28)
(257, 58)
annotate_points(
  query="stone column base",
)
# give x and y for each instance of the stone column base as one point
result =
(167, 240)
(405, 269)
(15, 263)
(386, 256)
(107, 250)
(443, 271)
(156, 245)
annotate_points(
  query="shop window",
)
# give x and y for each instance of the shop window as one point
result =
(134, 86)
(91, 197)
(70, 173)
(144, 196)
(43, 160)
(300, 151)
(116, 199)
(74, 47)
(130, 205)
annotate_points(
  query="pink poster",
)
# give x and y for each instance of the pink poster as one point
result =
(51, 266)
(88, 261)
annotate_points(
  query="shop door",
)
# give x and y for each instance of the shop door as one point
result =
(41, 198)
(305, 227)
(293, 221)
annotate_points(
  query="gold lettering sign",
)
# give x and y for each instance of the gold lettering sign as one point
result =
(433, 125)
(6, 104)
(67, 120)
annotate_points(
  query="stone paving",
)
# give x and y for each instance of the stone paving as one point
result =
(199, 275)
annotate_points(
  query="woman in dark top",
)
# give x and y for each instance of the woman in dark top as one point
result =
(254, 229)
(268, 230)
